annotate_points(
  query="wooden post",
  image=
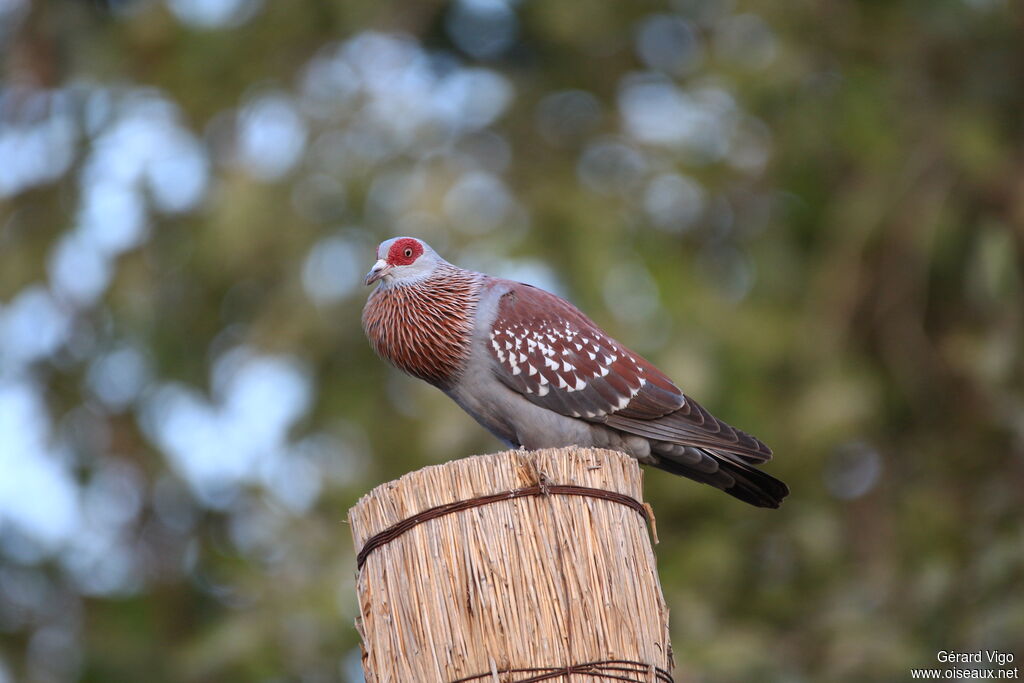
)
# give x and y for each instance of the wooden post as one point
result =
(511, 568)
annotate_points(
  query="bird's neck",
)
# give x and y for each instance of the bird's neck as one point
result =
(425, 328)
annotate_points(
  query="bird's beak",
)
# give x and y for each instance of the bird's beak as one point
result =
(379, 270)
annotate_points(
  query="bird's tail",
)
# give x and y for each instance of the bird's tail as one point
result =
(727, 473)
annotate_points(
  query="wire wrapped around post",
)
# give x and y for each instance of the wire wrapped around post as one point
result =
(511, 568)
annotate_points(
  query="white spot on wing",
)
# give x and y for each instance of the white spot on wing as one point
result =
(634, 392)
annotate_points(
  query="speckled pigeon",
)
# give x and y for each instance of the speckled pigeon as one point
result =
(537, 373)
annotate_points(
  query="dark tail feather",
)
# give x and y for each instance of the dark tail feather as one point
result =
(747, 483)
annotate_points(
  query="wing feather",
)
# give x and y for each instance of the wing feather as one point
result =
(544, 348)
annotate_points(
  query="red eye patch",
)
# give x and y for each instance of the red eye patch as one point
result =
(404, 251)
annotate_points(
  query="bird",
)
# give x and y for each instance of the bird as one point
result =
(537, 373)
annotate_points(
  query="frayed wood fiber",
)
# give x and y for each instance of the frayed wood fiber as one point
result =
(540, 582)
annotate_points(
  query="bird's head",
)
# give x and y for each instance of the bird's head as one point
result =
(403, 260)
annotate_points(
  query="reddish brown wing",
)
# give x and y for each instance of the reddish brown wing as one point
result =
(554, 355)
(548, 351)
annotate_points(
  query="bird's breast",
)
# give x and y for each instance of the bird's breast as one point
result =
(423, 329)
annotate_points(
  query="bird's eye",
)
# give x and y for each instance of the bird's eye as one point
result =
(408, 252)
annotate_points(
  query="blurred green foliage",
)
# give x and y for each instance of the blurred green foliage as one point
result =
(841, 275)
